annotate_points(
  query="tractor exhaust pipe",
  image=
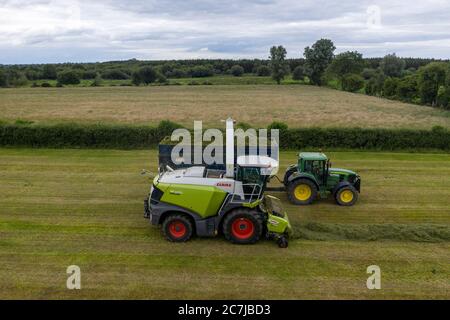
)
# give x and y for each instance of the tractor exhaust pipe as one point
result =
(229, 158)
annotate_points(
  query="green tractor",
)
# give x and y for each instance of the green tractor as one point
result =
(203, 202)
(313, 176)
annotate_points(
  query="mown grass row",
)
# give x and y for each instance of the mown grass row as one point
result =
(372, 232)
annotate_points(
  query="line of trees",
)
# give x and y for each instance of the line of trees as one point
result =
(74, 73)
(419, 81)
(415, 80)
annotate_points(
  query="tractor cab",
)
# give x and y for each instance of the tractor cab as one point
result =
(316, 164)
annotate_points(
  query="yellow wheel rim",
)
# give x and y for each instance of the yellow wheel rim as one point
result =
(346, 196)
(302, 192)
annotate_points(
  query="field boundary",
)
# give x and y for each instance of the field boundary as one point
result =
(73, 135)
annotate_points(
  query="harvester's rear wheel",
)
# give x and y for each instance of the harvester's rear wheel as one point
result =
(302, 191)
(243, 226)
(177, 228)
(346, 196)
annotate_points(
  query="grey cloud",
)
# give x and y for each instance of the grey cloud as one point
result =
(113, 29)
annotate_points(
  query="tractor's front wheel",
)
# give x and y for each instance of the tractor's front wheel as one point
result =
(288, 174)
(243, 226)
(302, 191)
(346, 196)
(177, 228)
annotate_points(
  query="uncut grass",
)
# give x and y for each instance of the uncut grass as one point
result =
(259, 105)
(84, 207)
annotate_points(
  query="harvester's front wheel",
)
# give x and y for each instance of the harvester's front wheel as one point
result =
(346, 196)
(282, 242)
(243, 226)
(302, 191)
(177, 228)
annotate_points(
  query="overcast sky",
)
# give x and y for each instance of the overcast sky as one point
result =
(39, 31)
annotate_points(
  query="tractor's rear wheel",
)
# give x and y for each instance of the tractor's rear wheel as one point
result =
(177, 228)
(243, 226)
(346, 196)
(302, 191)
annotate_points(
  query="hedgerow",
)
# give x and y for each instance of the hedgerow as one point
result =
(135, 137)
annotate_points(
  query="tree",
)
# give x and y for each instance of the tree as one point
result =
(237, 70)
(407, 88)
(136, 78)
(392, 66)
(368, 73)
(374, 86)
(263, 71)
(148, 75)
(161, 78)
(317, 59)
(202, 71)
(431, 77)
(68, 77)
(49, 72)
(390, 87)
(145, 75)
(89, 74)
(3, 79)
(349, 62)
(447, 78)
(298, 73)
(32, 74)
(352, 82)
(443, 97)
(15, 78)
(115, 74)
(176, 73)
(97, 81)
(278, 64)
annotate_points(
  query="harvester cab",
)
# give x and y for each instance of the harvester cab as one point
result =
(313, 176)
(201, 201)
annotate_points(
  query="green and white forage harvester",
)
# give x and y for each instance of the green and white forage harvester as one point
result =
(206, 202)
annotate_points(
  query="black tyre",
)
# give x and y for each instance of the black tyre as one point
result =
(282, 242)
(302, 191)
(177, 228)
(243, 226)
(288, 174)
(346, 196)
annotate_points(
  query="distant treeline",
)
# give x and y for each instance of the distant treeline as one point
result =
(413, 80)
(132, 137)
(18, 75)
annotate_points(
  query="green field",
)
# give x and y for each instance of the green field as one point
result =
(84, 207)
(258, 105)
